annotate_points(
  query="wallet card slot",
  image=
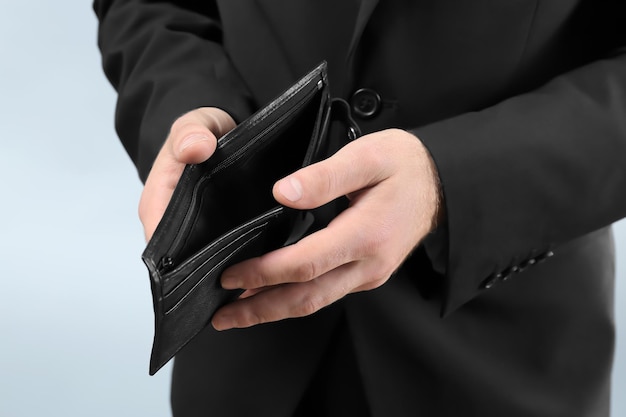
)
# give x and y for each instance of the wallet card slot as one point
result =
(204, 270)
(189, 284)
(215, 248)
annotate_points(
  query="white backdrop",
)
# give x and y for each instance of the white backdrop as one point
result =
(75, 309)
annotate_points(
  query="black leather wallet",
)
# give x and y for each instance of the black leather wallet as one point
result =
(222, 211)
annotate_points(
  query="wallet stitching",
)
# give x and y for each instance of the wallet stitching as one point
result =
(279, 121)
(288, 95)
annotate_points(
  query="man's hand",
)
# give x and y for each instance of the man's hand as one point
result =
(192, 140)
(393, 187)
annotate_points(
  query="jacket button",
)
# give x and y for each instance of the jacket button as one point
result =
(526, 264)
(544, 256)
(365, 103)
(507, 273)
(490, 281)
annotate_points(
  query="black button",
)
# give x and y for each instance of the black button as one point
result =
(526, 264)
(365, 103)
(490, 281)
(545, 256)
(506, 274)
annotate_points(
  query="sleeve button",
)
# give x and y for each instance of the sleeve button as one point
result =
(526, 264)
(544, 256)
(490, 281)
(507, 273)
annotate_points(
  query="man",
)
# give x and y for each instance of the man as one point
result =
(490, 172)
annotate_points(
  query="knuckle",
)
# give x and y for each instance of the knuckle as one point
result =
(379, 282)
(187, 125)
(250, 317)
(255, 317)
(181, 124)
(378, 269)
(309, 305)
(262, 280)
(325, 178)
(372, 155)
(380, 274)
(214, 122)
(376, 240)
(305, 271)
(374, 284)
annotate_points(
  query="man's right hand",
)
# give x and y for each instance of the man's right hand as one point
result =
(192, 139)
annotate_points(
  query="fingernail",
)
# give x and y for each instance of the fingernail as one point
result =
(191, 139)
(291, 189)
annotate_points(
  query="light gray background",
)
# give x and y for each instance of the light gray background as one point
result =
(75, 309)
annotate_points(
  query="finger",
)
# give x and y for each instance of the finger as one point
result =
(343, 241)
(356, 166)
(289, 300)
(303, 261)
(157, 193)
(192, 139)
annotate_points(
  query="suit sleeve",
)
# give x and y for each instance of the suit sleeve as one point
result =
(532, 172)
(164, 59)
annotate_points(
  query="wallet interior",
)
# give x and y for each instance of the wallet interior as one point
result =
(237, 186)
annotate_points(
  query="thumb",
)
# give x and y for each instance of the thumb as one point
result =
(351, 169)
(192, 140)
(193, 136)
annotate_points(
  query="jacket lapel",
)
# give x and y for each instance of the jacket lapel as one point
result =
(365, 12)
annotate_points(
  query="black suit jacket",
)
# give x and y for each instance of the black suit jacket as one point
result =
(507, 308)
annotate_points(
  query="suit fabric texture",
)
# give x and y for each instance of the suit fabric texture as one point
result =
(507, 308)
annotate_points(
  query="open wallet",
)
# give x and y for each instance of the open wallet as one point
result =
(222, 210)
